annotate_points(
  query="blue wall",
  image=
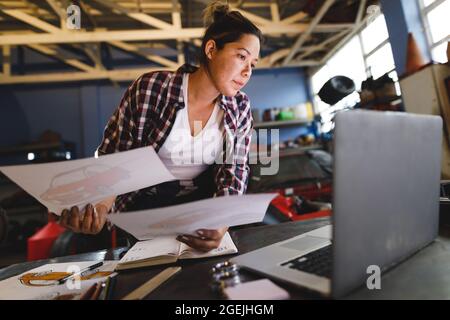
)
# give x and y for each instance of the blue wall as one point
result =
(79, 111)
(279, 88)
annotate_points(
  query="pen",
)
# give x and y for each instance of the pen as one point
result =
(92, 267)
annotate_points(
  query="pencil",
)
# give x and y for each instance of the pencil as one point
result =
(105, 289)
(89, 292)
(144, 290)
(97, 291)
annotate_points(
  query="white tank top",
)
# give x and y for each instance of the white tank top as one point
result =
(184, 155)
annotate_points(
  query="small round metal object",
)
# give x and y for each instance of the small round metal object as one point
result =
(224, 274)
(219, 284)
(225, 266)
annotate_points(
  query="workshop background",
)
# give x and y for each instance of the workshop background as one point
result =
(59, 85)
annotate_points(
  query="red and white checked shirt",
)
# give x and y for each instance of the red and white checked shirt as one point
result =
(146, 115)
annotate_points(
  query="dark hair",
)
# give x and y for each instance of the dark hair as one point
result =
(225, 26)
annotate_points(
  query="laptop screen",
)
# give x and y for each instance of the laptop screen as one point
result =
(386, 191)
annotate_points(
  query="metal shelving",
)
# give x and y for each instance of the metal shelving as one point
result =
(276, 124)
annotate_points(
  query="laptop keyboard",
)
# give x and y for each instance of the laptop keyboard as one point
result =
(317, 262)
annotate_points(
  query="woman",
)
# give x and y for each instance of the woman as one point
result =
(174, 111)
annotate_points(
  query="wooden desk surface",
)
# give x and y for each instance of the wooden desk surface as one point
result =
(426, 275)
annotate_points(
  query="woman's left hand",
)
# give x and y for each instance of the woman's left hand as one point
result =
(206, 240)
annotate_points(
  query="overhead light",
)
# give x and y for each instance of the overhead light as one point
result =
(30, 156)
(68, 155)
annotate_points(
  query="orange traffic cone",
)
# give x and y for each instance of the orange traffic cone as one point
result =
(414, 59)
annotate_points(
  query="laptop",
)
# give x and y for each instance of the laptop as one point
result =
(386, 181)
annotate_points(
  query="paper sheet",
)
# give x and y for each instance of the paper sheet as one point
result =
(41, 283)
(262, 289)
(187, 218)
(60, 185)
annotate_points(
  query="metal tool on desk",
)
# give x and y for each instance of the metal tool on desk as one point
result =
(144, 290)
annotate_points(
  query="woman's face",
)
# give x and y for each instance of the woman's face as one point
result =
(231, 67)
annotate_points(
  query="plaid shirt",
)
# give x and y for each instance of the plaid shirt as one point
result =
(146, 115)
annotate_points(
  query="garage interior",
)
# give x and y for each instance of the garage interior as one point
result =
(65, 66)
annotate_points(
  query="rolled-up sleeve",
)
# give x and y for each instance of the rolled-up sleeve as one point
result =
(120, 133)
(231, 178)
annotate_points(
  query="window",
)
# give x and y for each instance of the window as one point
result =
(374, 34)
(381, 61)
(369, 52)
(437, 24)
(377, 49)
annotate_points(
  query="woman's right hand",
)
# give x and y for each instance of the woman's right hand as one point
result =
(91, 221)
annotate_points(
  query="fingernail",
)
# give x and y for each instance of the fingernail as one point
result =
(200, 232)
(95, 214)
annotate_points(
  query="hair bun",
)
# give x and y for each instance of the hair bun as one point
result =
(214, 12)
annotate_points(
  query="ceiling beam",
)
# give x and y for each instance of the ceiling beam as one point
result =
(93, 51)
(275, 13)
(304, 36)
(294, 18)
(93, 54)
(361, 10)
(56, 8)
(31, 20)
(37, 23)
(54, 53)
(176, 21)
(167, 6)
(323, 45)
(151, 21)
(346, 39)
(253, 17)
(75, 36)
(155, 58)
(6, 53)
(270, 59)
(164, 31)
(142, 17)
(301, 64)
(115, 75)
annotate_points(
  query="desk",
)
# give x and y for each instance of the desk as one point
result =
(426, 275)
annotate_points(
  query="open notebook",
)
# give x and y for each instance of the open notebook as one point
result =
(166, 249)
